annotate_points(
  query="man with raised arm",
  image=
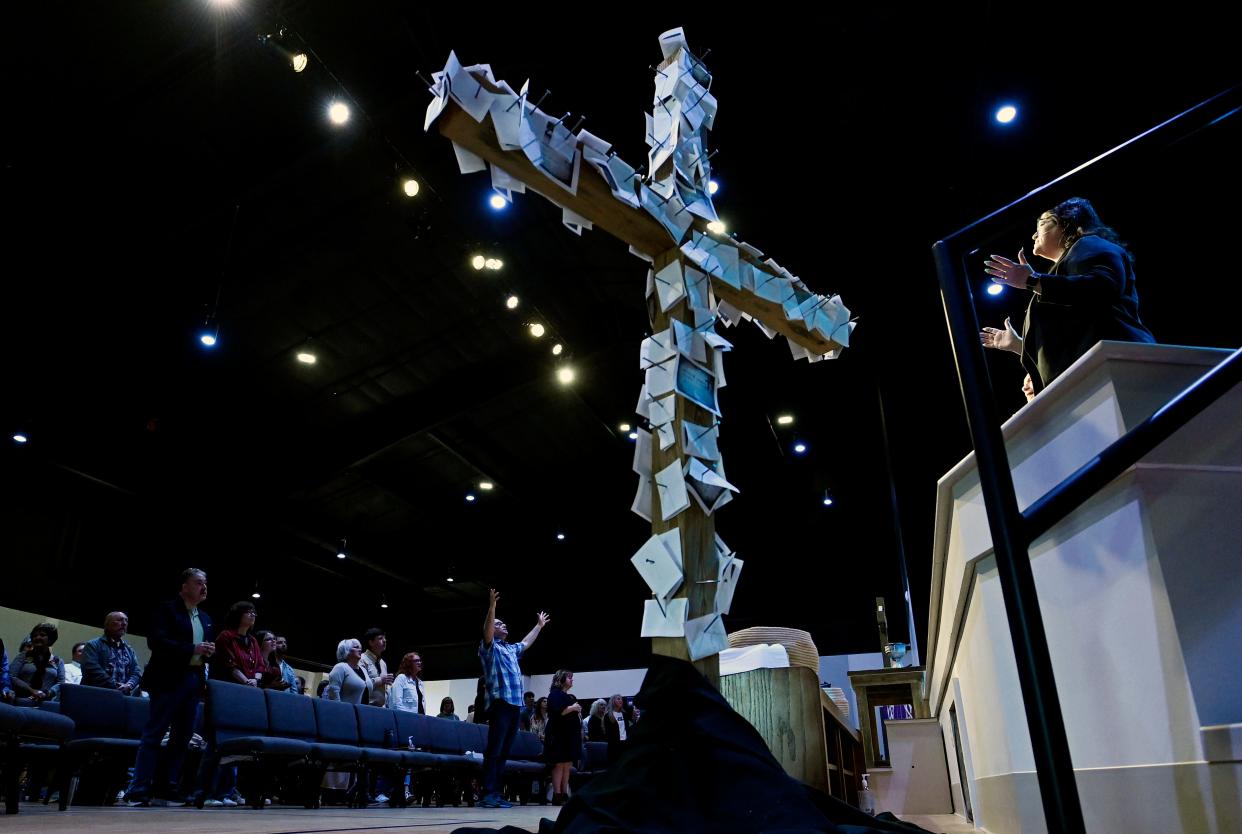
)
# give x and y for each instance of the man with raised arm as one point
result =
(503, 695)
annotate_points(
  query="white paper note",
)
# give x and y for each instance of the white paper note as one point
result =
(700, 441)
(671, 487)
(659, 563)
(667, 621)
(726, 584)
(705, 636)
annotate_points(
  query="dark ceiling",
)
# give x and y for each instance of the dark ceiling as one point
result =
(159, 163)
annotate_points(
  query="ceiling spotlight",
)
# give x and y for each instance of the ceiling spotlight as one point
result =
(255, 595)
(340, 554)
(537, 330)
(995, 289)
(383, 602)
(713, 187)
(20, 438)
(299, 61)
(1006, 114)
(827, 500)
(497, 202)
(784, 420)
(632, 435)
(565, 375)
(558, 349)
(493, 264)
(625, 427)
(410, 187)
(716, 227)
(307, 358)
(449, 579)
(208, 338)
(478, 262)
(486, 486)
(338, 112)
(799, 448)
(560, 537)
(470, 497)
(511, 302)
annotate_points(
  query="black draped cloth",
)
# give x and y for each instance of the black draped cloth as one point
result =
(695, 765)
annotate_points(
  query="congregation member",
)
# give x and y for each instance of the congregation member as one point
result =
(182, 640)
(502, 675)
(37, 673)
(109, 662)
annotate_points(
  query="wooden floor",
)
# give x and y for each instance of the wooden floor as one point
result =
(273, 820)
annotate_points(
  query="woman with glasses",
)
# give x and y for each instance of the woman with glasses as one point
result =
(1089, 294)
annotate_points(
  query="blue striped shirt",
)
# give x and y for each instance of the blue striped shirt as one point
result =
(501, 673)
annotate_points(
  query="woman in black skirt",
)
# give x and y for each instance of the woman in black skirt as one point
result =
(563, 740)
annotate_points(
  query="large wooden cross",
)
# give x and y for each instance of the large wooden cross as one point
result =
(697, 277)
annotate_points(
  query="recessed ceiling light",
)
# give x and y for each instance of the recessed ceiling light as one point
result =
(785, 420)
(1006, 114)
(565, 375)
(537, 330)
(208, 339)
(307, 358)
(624, 427)
(486, 485)
(560, 537)
(497, 202)
(713, 187)
(995, 289)
(478, 262)
(410, 187)
(512, 302)
(494, 264)
(470, 498)
(338, 112)
(299, 61)
(799, 448)
(20, 438)
(716, 227)
(558, 349)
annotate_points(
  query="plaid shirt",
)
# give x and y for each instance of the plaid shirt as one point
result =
(110, 664)
(501, 672)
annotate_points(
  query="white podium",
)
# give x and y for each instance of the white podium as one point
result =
(1141, 595)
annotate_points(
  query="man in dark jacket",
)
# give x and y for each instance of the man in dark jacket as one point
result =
(181, 640)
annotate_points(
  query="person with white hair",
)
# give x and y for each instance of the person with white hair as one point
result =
(347, 682)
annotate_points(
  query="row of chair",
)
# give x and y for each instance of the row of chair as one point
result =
(275, 731)
(26, 734)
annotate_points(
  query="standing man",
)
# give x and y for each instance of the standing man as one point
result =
(296, 684)
(110, 662)
(181, 639)
(372, 663)
(503, 695)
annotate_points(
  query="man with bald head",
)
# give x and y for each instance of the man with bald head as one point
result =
(109, 662)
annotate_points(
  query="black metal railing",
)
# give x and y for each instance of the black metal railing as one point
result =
(1013, 531)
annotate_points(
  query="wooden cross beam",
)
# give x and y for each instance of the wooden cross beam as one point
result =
(696, 278)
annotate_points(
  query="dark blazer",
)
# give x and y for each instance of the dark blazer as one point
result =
(171, 640)
(1088, 296)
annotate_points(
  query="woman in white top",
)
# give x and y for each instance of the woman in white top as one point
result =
(407, 693)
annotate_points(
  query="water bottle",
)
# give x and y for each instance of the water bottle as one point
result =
(866, 799)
